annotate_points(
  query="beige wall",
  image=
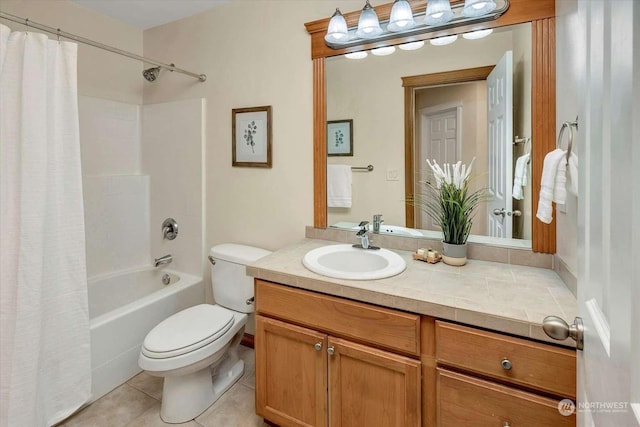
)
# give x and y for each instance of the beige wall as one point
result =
(378, 114)
(522, 120)
(254, 53)
(101, 74)
(473, 99)
(567, 78)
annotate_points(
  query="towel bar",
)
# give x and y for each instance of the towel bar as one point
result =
(570, 126)
(362, 168)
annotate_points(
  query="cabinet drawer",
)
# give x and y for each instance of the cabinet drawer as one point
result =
(379, 326)
(468, 401)
(543, 367)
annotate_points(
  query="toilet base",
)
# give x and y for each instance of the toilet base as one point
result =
(186, 396)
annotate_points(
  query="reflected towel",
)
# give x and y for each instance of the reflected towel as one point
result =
(339, 186)
(520, 176)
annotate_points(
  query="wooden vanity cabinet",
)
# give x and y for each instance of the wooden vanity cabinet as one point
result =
(334, 373)
(328, 361)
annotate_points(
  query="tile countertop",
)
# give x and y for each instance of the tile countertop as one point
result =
(507, 298)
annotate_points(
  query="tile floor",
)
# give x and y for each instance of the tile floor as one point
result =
(137, 404)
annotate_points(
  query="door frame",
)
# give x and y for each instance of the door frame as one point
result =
(412, 84)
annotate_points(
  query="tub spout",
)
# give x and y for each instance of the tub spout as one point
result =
(163, 260)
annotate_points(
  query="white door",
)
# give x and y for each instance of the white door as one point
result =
(609, 214)
(500, 147)
(440, 139)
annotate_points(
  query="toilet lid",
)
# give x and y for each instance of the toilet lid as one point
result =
(187, 331)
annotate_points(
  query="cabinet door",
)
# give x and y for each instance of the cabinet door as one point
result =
(370, 387)
(291, 380)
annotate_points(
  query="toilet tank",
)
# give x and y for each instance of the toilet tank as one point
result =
(230, 284)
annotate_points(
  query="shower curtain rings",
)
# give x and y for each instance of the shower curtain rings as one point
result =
(26, 24)
(58, 33)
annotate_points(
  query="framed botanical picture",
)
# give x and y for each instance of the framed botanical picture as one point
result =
(251, 137)
(340, 138)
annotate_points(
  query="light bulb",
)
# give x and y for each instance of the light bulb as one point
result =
(443, 41)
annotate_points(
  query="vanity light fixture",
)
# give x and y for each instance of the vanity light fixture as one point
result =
(412, 45)
(438, 12)
(356, 55)
(475, 35)
(443, 41)
(401, 16)
(403, 23)
(337, 31)
(368, 24)
(383, 51)
(478, 7)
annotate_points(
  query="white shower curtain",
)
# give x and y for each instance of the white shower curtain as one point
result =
(45, 367)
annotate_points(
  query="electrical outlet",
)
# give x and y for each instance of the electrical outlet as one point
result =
(393, 175)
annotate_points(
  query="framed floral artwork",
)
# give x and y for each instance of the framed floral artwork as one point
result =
(251, 137)
(340, 138)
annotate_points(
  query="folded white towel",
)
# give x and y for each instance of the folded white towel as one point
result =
(339, 186)
(520, 176)
(548, 183)
(560, 185)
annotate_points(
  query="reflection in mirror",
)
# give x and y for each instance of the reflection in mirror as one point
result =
(369, 91)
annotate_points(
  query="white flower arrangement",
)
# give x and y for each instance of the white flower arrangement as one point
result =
(449, 201)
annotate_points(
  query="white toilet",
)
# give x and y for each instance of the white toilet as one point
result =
(196, 350)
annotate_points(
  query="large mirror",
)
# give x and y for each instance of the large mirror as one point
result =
(449, 123)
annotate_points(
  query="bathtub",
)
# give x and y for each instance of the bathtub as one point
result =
(123, 308)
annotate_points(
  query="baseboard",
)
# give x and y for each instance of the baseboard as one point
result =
(247, 340)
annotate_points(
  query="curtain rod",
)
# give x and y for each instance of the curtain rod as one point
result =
(56, 31)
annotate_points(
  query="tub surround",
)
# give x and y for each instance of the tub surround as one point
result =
(503, 297)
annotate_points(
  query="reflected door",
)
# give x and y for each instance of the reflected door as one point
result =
(500, 148)
(439, 141)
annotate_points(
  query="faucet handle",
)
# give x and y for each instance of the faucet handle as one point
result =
(363, 224)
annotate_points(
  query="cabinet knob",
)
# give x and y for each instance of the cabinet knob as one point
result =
(318, 346)
(331, 350)
(506, 424)
(506, 365)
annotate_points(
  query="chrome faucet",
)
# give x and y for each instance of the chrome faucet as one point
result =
(377, 222)
(163, 260)
(364, 237)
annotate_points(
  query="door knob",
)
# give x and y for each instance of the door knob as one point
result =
(498, 212)
(556, 328)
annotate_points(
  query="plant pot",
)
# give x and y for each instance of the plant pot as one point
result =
(454, 254)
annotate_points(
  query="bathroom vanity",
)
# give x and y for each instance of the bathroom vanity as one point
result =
(434, 345)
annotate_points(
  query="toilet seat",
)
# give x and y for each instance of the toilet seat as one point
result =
(187, 331)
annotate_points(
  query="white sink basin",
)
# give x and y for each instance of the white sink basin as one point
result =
(347, 262)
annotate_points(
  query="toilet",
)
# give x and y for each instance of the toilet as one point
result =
(196, 349)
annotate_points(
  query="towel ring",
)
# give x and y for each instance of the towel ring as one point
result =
(570, 126)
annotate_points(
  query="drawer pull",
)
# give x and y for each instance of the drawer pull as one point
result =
(331, 351)
(318, 346)
(506, 424)
(506, 365)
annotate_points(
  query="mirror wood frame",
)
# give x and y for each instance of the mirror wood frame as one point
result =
(541, 15)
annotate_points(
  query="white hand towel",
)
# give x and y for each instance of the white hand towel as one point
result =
(339, 186)
(547, 184)
(520, 177)
(560, 186)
